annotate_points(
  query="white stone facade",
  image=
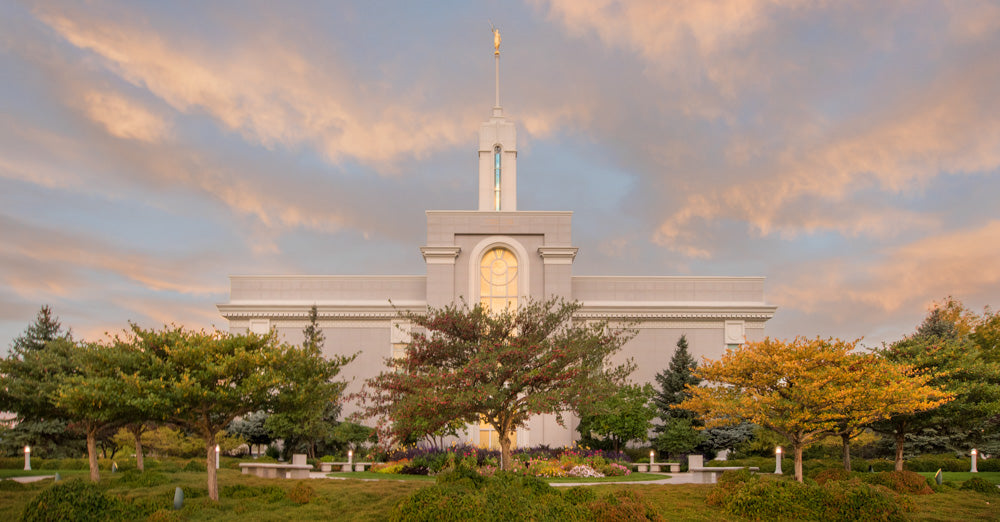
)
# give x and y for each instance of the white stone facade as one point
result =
(356, 315)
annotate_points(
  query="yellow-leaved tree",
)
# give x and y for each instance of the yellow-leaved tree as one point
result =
(804, 389)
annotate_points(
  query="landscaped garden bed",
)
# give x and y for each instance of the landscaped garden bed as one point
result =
(550, 463)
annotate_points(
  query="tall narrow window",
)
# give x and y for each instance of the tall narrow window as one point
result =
(498, 280)
(496, 177)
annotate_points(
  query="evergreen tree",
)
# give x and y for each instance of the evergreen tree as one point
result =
(45, 328)
(38, 361)
(672, 382)
(312, 333)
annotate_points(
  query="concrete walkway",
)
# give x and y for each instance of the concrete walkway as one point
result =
(33, 478)
(671, 478)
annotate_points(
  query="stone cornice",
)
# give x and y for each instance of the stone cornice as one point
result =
(440, 255)
(300, 311)
(557, 255)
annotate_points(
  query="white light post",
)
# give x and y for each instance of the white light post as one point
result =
(216, 456)
(350, 457)
(27, 458)
(777, 461)
(651, 453)
(974, 453)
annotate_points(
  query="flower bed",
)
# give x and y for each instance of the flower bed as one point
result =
(539, 462)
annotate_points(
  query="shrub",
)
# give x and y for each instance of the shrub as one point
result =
(899, 481)
(268, 493)
(136, 478)
(829, 474)
(194, 465)
(413, 469)
(579, 495)
(857, 501)
(979, 485)
(622, 505)
(615, 470)
(76, 500)
(302, 493)
(765, 498)
(12, 485)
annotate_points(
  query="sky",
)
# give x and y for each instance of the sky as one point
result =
(848, 151)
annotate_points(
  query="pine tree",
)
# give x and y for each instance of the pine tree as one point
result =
(312, 333)
(672, 382)
(45, 328)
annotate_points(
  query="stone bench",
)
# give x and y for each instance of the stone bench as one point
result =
(657, 467)
(710, 474)
(298, 469)
(345, 467)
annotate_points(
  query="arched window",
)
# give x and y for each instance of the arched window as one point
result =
(496, 177)
(498, 280)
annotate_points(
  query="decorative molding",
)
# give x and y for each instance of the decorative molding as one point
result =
(557, 255)
(674, 315)
(440, 255)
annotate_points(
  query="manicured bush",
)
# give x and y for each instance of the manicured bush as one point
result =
(302, 493)
(194, 465)
(579, 495)
(622, 505)
(414, 469)
(758, 497)
(899, 481)
(12, 485)
(75, 500)
(268, 493)
(136, 478)
(979, 485)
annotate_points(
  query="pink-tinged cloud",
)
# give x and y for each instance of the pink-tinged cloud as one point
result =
(124, 118)
(269, 93)
(961, 263)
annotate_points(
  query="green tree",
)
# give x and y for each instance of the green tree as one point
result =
(252, 428)
(308, 403)
(673, 385)
(673, 436)
(498, 368)
(204, 380)
(621, 417)
(94, 396)
(38, 361)
(946, 349)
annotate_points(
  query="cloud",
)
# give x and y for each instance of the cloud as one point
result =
(124, 118)
(265, 90)
(960, 263)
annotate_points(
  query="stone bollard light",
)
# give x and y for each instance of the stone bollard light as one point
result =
(974, 453)
(27, 458)
(651, 453)
(350, 458)
(777, 461)
(216, 456)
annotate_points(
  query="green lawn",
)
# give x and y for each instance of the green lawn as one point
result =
(372, 500)
(65, 473)
(962, 476)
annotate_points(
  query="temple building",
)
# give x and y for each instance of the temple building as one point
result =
(500, 256)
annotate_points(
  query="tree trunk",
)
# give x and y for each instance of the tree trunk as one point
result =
(505, 463)
(95, 473)
(137, 431)
(213, 484)
(798, 461)
(847, 451)
(900, 440)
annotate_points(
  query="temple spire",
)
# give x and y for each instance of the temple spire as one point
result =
(497, 151)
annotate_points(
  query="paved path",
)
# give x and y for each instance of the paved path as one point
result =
(672, 478)
(33, 478)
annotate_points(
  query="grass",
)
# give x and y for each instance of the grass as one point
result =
(353, 499)
(961, 476)
(371, 475)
